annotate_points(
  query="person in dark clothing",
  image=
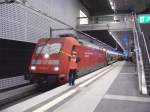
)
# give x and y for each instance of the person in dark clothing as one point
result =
(73, 66)
(72, 77)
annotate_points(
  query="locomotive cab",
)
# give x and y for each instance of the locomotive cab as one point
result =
(50, 58)
(46, 57)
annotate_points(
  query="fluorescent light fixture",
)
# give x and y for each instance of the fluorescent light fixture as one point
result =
(113, 7)
(111, 3)
(110, 33)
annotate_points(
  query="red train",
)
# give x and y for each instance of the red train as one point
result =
(50, 59)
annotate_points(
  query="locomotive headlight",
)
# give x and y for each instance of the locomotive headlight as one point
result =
(33, 67)
(56, 68)
(46, 56)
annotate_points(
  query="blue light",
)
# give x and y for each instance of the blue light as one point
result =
(125, 38)
(126, 53)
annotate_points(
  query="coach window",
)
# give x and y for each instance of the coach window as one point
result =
(83, 18)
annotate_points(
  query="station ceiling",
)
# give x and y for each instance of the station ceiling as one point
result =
(104, 36)
(101, 7)
(97, 7)
(124, 37)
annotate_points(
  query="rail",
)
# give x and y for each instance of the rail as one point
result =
(105, 19)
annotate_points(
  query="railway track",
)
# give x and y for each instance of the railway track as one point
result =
(14, 96)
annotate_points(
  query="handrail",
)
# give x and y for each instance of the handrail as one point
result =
(111, 15)
(108, 18)
(137, 59)
(137, 55)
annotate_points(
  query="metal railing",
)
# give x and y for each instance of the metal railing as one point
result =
(105, 19)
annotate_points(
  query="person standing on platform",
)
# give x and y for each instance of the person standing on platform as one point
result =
(73, 66)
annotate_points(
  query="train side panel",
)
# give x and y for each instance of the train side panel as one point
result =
(91, 59)
(45, 64)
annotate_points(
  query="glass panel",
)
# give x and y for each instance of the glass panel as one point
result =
(82, 14)
(48, 48)
(83, 18)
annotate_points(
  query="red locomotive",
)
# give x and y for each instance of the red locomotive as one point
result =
(50, 59)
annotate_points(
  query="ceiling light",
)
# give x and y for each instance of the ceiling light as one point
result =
(113, 7)
(111, 3)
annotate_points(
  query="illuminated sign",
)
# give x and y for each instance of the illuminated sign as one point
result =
(143, 19)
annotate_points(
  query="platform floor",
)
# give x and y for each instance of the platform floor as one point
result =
(123, 95)
(115, 90)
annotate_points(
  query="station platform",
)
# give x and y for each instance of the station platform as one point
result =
(110, 89)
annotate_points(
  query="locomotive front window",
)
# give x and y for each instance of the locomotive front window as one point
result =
(49, 48)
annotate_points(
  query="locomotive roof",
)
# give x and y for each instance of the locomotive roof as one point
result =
(69, 39)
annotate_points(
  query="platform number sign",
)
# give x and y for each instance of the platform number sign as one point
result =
(143, 19)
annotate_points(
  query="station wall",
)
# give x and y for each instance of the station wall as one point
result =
(21, 23)
(15, 57)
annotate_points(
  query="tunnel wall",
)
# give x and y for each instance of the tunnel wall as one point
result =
(15, 57)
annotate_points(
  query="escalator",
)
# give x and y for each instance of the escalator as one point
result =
(144, 43)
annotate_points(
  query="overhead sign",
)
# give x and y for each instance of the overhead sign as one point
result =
(144, 19)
